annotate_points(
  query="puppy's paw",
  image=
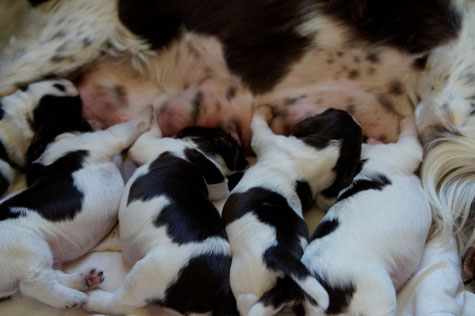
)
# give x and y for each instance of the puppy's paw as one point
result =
(93, 277)
(75, 299)
(145, 120)
(264, 111)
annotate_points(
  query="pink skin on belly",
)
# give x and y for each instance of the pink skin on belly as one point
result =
(190, 85)
(221, 103)
(293, 105)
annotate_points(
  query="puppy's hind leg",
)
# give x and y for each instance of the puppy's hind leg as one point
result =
(262, 134)
(45, 287)
(140, 286)
(113, 140)
(87, 279)
(374, 293)
(409, 145)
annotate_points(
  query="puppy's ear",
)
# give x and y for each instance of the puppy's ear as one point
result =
(210, 172)
(33, 172)
(348, 164)
(302, 128)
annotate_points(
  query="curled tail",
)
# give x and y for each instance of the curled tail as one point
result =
(285, 294)
(297, 285)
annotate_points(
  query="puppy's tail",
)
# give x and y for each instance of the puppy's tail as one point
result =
(285, 294)
(287, 291)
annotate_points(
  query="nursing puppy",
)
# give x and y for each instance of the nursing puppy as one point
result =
(170, 230)
(263, 215)
(371, 241)
(31, 118)
(70, 206)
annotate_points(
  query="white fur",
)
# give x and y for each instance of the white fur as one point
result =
(28, 56)
(448, 103)
(381, 235)
(280, 162)
(16, 132)
(156, 258)
(31, 244)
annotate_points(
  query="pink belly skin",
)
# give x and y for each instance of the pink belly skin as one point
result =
(190, 85)
(219, 103)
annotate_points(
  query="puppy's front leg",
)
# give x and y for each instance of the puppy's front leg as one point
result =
(121, 136)
(87, 279)
(408, 146)
(262, 134)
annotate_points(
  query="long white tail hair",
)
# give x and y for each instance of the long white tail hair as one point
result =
(446, 122)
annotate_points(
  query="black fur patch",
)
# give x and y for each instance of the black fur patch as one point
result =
(420, 63)
(305, 194)
(6, 298)
(196, 104)
(2, 111)
(234, 179)
(286, 293)
(259, 38)
(414, 26)
(202, 286)
(34, 3)
(325, 228)
(214, 141)
(208, 169)
(335, 125)
(60, 87)
(53, 195)
(190, 216)
(4, 184)
(340, 296)
(53, 116)
(272, 209)
(279, 258)
(376, 182)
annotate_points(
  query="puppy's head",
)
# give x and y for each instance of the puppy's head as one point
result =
(51, 87)
(319, 130)
(214, 141)
(58, 111)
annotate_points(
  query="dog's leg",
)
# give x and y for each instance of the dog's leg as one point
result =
(262, 135)
(406, 153)
(45, 287)
(141, 284)
(71, 34)
(87, 279)
(138, 152)
(409, 145)
(119, 137)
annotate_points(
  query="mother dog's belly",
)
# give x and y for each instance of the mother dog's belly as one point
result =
(195, 87)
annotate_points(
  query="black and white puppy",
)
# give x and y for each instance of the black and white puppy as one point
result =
(70, 206)
(263, 215)
(31, 118)
(170, 231)
(372, 240)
